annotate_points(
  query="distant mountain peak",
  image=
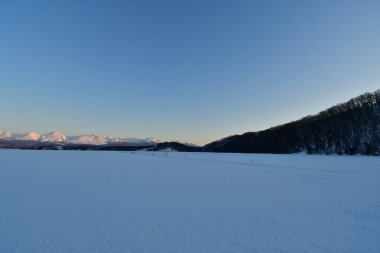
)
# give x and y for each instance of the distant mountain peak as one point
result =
(31, 136)
(5, 135)
(53, 137)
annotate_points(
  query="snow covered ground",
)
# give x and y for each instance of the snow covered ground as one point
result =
(72, 202)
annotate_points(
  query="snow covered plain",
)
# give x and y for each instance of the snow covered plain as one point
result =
(196, 202)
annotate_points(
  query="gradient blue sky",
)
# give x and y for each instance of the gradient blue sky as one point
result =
(181, 70)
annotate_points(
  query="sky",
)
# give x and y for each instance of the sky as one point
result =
(193, 71)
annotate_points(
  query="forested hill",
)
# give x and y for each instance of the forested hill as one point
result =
(348, 128)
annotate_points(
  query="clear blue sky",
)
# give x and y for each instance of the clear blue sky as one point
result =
(181, 70)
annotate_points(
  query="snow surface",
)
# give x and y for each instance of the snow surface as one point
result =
(65, 201)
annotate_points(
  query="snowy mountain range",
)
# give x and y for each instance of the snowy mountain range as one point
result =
(56, 137)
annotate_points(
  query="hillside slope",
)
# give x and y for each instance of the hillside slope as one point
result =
(349, 128)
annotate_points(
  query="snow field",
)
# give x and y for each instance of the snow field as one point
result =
(72, 201)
